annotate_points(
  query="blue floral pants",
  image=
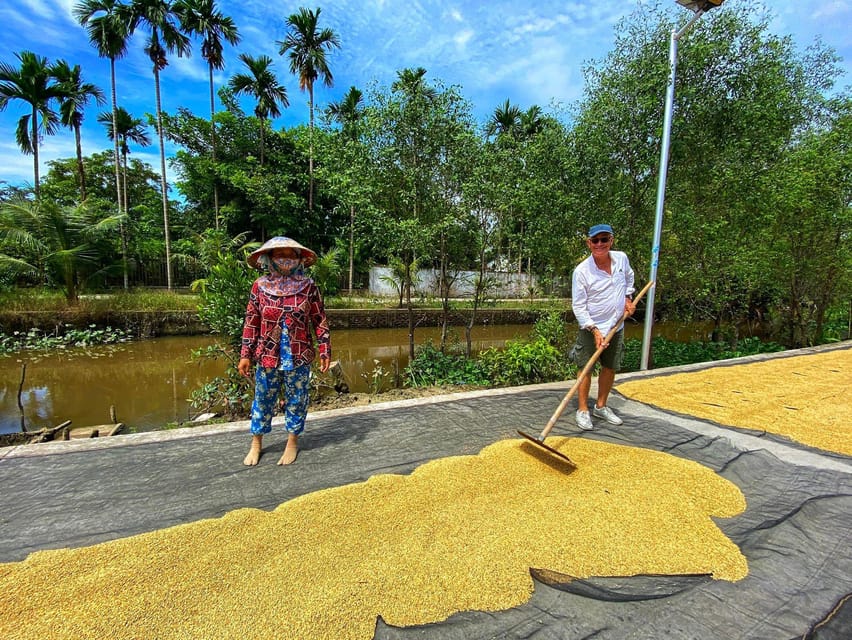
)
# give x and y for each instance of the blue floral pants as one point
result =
(294, 387)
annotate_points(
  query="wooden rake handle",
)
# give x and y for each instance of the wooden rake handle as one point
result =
(589, 365)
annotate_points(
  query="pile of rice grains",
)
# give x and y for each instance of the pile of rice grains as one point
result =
(804, 398)
(459, 533)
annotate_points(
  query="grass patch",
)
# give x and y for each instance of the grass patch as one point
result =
(35, 300)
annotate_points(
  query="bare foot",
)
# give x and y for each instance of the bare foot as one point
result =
(291, 450)
(253, 455)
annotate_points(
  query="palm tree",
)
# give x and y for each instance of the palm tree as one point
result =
(201, 17)
(30, 83)
(532, 121)
(128, 129)
(107, 24)
(348, 113)
(162, 22)
(56, 244)
(506, 120)
(123, 128)
(75, 96)
(261, 83)
(307, 47)
(413, 84)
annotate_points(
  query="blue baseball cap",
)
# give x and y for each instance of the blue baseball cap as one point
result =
(600, 228)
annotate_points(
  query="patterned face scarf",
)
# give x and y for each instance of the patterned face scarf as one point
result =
(284, 266)
(285, 277)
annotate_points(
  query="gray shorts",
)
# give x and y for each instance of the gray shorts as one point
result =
(585, 348)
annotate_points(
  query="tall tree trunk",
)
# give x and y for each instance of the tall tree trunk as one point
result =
(262, 127)
(213, 151)
(163, 183)
(120, 202)
(123, 227)
(520, 250)
(478, 294)
(444, 292)
(351, 246)
(311, 149)
(116, 159)
(35, 151)
(407, 288)
(124, 193)
(81, 172)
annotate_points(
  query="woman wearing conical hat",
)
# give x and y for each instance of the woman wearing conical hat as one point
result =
(285, 313)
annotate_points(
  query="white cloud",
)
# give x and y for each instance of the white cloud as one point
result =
(17, 168)
(463, 37)
(192, 68)
(831, 10)
(39, 8)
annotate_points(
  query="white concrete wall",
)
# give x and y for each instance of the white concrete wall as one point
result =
(508, 285)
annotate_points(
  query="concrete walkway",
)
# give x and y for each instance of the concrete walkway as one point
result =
(795, 531)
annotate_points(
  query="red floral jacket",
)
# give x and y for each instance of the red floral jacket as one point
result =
(262, 327)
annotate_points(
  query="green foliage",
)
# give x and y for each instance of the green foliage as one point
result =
(838, 323)
(222, 308)
(551, 327)
(46, 243)
(524, 362)
(401, 275)
(325, 272)
(539, 360)
(757, 216)
(33, 299)
(201, 251)
(413, 134)
(431, 366)
(746, 192)
(230, 392)
(376, 378)
(667, 353)
(69, 336)
(141, 229)
(223, 299)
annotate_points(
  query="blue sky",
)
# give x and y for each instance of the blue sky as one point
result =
(530, 51)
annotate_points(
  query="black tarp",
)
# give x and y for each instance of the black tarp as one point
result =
(795, 531)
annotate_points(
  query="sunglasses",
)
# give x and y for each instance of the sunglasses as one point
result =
(600, 239)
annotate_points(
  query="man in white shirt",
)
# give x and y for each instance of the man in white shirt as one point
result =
(601, 291)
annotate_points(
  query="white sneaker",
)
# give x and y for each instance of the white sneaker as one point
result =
(607, 414)
(584, 421)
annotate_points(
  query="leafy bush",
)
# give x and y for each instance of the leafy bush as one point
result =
(551, 327)
(431, 367)
(525, 362)
(230, 392)
(837, 323)
(667, 353)
(325, 272)
(224, 295)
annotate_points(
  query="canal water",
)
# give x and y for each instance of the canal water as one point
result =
(149, 382)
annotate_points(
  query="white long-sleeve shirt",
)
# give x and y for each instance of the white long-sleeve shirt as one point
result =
(597, 297)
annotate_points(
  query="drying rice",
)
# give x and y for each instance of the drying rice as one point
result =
(458, 534)
(804, 398)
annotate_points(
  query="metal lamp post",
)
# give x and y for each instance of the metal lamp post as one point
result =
(700, 7)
